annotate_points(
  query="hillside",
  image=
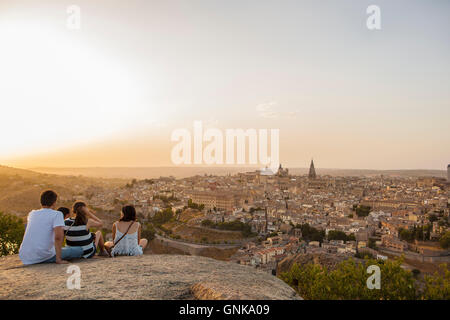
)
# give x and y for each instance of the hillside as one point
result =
(144, 277)
(20, 189)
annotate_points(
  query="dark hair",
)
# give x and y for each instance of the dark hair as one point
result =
(129, 213)
(65, 211)
(80, 218)
(48, 198)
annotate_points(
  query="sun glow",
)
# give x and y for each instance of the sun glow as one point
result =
(54, 92)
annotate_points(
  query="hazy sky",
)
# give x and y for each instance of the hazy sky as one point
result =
(111, 93)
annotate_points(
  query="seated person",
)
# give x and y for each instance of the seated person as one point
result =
(65, 211)
(44, 235)
(126, 234)
(78, 234)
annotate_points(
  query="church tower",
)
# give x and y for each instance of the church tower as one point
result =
(312, 171)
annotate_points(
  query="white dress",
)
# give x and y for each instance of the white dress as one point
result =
(128, 246)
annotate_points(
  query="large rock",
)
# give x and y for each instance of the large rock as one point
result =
(144, 277)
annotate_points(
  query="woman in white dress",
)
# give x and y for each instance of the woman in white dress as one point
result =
(126, 234)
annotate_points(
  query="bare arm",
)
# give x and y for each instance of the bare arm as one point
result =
(93, 221)
(139, 233)
(114, 231)
(59, 238)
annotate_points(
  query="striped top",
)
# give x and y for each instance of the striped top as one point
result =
(79, 236)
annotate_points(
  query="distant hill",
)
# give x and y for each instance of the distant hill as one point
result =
(183, 172)
(20, 189)
(10, 171)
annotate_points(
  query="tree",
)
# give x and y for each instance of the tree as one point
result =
(349, 281)
(162, 217)
(406, 235)
(362, 211)
(148, 231)
(208, 223)
(311, 233)
(245, 228)
(340, 235)
(444, 241)
(11, 233)
(194, 205)
(437, 286)
(372, 243)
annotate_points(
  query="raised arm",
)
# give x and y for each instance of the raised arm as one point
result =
(59, 238)
(93, 221)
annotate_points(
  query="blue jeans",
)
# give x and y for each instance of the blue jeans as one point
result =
(67, 253)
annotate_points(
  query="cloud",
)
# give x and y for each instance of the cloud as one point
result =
(269, 110)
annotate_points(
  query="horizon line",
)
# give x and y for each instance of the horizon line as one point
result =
(214, 167)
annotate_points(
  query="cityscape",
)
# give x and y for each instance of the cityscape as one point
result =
(268, 221)
(170, 153)
(368, 215)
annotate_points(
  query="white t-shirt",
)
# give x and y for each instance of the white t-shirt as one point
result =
(38, 242)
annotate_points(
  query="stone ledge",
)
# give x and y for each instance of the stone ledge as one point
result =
(145, 277)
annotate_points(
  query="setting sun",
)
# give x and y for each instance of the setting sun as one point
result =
(58, 92)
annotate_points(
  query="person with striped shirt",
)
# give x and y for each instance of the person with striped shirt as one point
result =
(78, 234)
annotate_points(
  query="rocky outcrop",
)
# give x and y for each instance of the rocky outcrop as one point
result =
(145, 277)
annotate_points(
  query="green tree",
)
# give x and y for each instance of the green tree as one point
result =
(162, 217)
(372, 243)
(406, 235)
(340, 235)
(194, 205)
(12, 229)
(444, 241)
(208, 223)
(349, 281)
(437, 286)
(362, 210)
(311, 233)
(148, 231)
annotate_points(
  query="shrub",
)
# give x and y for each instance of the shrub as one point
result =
(148, 231)
(437, 286)
(11, 234)
(444, 241)
(349, 281)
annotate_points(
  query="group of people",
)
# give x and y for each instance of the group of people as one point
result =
(46, 229)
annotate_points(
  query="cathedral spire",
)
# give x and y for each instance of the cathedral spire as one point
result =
(312, 171)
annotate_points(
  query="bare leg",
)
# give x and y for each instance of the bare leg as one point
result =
(143, 243)
(99, 242)
(108, 246)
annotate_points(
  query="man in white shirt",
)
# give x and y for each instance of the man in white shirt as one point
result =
(44, 235)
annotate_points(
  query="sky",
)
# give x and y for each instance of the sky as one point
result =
(112, 92)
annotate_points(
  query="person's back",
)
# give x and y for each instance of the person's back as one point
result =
(127, 235)
(44, 235)
(79, 236)
(129, 245)
(38, 243)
